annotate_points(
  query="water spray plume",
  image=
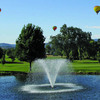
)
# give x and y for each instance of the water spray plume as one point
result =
(51, 68)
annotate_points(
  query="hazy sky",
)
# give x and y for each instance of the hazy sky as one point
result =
(46, 14)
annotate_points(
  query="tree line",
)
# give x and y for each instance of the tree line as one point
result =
(71, 42)
(74, 43)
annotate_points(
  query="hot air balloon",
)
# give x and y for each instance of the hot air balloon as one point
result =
(54, 28)
(97, 9)
(0, 9)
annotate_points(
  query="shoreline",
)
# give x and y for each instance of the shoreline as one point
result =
(10, 73)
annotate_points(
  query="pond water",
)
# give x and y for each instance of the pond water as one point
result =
(11, 88)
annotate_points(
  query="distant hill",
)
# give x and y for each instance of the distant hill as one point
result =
(95, 39)
(7, 46)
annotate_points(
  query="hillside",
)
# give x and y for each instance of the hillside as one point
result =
(7, 46)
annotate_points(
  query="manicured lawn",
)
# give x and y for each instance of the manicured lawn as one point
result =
(55, 57)
(78, 66)
(24, 67)
(86, 66)
(16, 66)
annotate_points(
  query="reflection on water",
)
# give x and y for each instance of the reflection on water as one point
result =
(10, 87)
(21, 78)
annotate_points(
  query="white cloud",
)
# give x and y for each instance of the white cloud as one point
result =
(95, 27)
(95, 36)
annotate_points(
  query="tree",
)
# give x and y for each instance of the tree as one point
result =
(3, 57)
(98, 50)
(1, 53)
(72, 42)
(30, 44)
(92, 49)
(75, 41)
(11, 54)
(48, 49)
(57, 44)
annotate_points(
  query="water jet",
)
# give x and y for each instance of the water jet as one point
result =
(52, 69)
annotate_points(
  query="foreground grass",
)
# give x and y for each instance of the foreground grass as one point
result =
(78, 66)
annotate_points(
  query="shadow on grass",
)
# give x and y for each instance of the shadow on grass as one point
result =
(22, 75)
(7, 62)
(86, 62)
(2, 73)
(89, 62)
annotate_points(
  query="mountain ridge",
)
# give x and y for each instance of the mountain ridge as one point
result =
(8, 45)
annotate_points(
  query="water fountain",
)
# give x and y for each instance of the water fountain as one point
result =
(52, 68)
(47, 84)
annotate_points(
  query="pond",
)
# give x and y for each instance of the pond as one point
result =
(11, 88)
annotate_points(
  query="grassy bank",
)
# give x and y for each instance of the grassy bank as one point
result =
(86, 66)
(78, 66)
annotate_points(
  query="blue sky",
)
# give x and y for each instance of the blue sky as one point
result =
(46, 14)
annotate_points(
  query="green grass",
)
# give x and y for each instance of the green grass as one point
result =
(24, 67)
(55, 57)
(78, 66)
(16, 66)
(86, 66)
